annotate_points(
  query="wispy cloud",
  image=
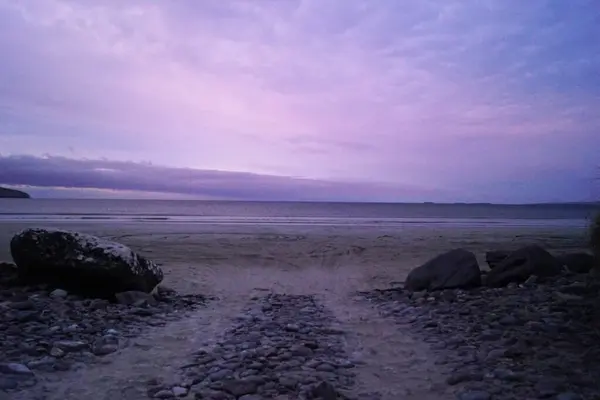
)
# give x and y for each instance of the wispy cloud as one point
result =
(450, 94)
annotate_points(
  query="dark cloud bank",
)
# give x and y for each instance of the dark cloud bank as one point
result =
(129, 176)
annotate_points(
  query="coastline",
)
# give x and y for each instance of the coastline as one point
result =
(246, 269)
(380, 254)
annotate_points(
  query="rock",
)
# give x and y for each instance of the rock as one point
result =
(15, 369)
(324, 391)
(495, 354)
(531, 281)
(547, 387)
(454, 269)
(580, 263)
(495, 257)
(568, 396)
(239, 387)
(22, 305)
(81, 263)
(105, 349)
(8, 266)
(567, 297)
(579, 288)
(164, 394)
(70, 345)
(59, 294)
(251, 397)
(57, 352)
(521, 264)
(179, 391)
(7, 383)
(135, 298)
(474, 395)
(460, 377)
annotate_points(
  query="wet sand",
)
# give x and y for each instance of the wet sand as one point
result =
(232, 262)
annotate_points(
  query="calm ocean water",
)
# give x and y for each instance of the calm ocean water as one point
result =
(224, 212)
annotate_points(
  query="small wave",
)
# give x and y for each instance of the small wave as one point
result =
(292, 221)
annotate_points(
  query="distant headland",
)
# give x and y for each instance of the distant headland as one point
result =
(13, 194)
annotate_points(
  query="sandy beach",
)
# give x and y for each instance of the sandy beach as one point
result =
(235, 262)
(227, 259)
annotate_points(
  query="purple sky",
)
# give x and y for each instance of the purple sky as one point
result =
(393, 100)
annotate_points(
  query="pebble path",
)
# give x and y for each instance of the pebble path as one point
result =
(281, 347)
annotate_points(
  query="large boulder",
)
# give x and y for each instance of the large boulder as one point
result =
(495, 257)
(451, 270)
(523, 263)
(81, 263)
(580, 263)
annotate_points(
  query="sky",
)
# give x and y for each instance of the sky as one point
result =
(358, 100)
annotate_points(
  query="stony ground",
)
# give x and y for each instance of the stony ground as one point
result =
(528, 341)
(45, 331)
(540, 339)
(282, 346)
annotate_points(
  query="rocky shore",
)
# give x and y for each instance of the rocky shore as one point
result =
(281, 347)
(526, 328)
(45, 330)
(536, 339)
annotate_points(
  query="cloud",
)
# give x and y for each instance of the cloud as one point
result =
(447, 94)
(64, 173)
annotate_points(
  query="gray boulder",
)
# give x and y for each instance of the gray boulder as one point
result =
(454, 269)
(81, 264)
(580, 263)
(523, 263)
(495, 257)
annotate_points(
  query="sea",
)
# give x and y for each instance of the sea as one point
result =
(293, 213)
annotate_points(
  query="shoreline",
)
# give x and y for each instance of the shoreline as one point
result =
(261, 277)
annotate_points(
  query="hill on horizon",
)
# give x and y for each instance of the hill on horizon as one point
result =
(13, 194)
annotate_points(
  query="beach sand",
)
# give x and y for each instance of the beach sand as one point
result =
(234, 262)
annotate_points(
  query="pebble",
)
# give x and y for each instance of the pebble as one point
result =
(164, 394)
(179, 391)
(71, 345)
(460, 377)
(568, 396)
(59, 294)
(495, 354)
(15, 369)
(474, 395)
(105, 349)
(251, 397)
